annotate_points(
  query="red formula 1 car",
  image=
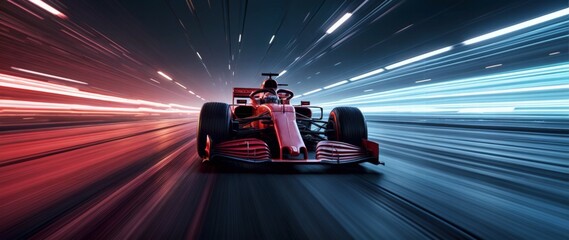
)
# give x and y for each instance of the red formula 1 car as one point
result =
(269, 129)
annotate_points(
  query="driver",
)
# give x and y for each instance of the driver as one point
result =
(269, 97)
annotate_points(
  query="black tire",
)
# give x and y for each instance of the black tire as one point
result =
(346, 124)
(215, 121)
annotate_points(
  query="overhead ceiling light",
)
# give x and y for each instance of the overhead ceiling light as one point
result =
(272, 38)
(164, 75)
(338, 23)
(518, 26)
(313, 91)
(418, 58)
(374, 72)
(336, 84)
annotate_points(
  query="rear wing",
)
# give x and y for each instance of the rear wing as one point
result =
(242, 93)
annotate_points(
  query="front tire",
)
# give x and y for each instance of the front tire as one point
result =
(346, 124)
(215, 121)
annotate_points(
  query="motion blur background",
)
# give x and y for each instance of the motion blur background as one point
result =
(468, 100)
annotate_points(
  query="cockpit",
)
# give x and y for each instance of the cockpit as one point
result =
(269, 96)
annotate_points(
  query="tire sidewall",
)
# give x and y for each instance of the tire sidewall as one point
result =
(347, 118)
(215, 121)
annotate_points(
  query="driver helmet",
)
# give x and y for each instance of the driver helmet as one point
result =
(270, 83)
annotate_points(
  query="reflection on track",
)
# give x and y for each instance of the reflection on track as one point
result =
(143, 179)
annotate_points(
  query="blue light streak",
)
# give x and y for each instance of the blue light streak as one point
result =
(539, 90)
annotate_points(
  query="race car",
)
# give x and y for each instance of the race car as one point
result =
(270, 129)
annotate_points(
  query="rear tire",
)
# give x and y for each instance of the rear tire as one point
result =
(215, 121)
(346, 124)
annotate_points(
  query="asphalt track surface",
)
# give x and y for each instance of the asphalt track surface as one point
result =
(143, 179)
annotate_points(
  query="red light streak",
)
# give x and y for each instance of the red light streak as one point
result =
(47, 75)
(25, 9)
(140, 106)
(88, 39)
(113, 43)
(17, 106)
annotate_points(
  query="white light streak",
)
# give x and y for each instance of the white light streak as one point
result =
(336, 84)
(192, 92)
(47, 75)
(418, 58)
(374, 72)
(554, 53)
(282, 73)
(338, 23)
(487, 110)
(424, 80)
(154, 80)
(200, 56)
(494, 66)
(181, 85)
(522, 25)
(48, 8)
(239, 38)
(181, 106)
(313, 91)
(361, 5)
(368, 90)
(272, 38)
(164, 75)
